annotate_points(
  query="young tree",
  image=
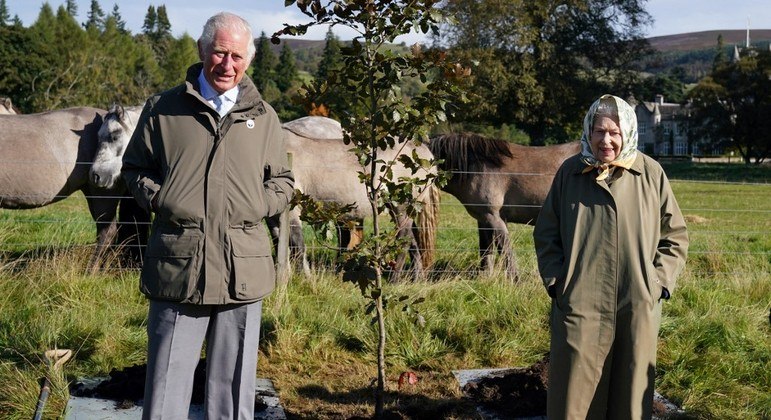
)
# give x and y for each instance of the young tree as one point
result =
(264, 64)
(380, 118)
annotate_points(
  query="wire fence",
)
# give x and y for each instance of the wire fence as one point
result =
(23, 231)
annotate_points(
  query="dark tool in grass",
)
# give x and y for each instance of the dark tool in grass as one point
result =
(54, 360)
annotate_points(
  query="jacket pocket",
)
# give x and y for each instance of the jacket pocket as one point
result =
(171, 269)
(655, 288)
(254, 274)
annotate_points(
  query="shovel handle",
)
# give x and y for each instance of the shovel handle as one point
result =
(45, 389)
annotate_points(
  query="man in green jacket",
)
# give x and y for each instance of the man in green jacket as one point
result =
(611, 241)
(208, 158)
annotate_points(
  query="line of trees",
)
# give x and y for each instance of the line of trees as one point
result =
(731, 107)
(535, 66)
(57, 62)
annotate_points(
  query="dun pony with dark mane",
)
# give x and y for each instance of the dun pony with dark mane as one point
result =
(498, 183)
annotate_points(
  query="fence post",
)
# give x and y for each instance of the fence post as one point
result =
(283, 269)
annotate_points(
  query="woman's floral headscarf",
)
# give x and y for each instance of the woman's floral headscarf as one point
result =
(628, 125)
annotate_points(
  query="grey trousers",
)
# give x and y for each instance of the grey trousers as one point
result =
(176, 332)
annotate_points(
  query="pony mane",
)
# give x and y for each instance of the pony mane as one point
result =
(461, 150)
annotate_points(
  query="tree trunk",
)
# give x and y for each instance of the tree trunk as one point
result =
(381, 378)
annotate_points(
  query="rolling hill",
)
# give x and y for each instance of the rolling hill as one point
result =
(708, 39)
(692, 51)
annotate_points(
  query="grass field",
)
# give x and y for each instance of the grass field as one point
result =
(318, 344)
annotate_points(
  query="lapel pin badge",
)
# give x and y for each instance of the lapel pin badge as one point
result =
(250, 123)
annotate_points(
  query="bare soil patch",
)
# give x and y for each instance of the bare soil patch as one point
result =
(510, 394)
(521, 393)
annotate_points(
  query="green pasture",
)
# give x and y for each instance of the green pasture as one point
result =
(318, 344)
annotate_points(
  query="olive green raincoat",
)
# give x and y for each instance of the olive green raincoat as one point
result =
(609, 248)
(213, 179)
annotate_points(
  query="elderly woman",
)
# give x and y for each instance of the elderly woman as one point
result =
(611, 242)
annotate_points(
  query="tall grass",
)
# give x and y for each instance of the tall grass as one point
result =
(318, 344)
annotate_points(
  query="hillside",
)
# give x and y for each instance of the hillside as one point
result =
(676, 42)
(693, 51)
(708, 39)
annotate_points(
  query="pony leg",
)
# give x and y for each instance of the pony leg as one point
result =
(486, 254)
(494, 238)
(503, 246)
(103, 209)
(297, 243)
(133, 229)
(296, 240)
(406, 230)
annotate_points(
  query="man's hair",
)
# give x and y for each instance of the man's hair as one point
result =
(225, 20)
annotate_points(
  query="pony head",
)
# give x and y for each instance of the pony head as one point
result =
(114, 135)
(6, 106)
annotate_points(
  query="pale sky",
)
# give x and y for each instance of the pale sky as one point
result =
(671, 16)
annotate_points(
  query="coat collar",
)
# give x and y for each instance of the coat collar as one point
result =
(637, 167)
(249, 97)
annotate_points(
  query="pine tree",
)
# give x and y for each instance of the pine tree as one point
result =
(331, 62)
(181, 54)
(95, 16)
(264, 64)
(286, 72)
(720, 55)
(119, 22)
(162, 25)
(43, 28)
(148, 27)
(5, 16)
(331, 58)
(72, 8)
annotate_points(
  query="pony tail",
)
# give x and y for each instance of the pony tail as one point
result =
(427, 223)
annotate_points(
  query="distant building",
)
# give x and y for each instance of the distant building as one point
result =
(662, 128)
